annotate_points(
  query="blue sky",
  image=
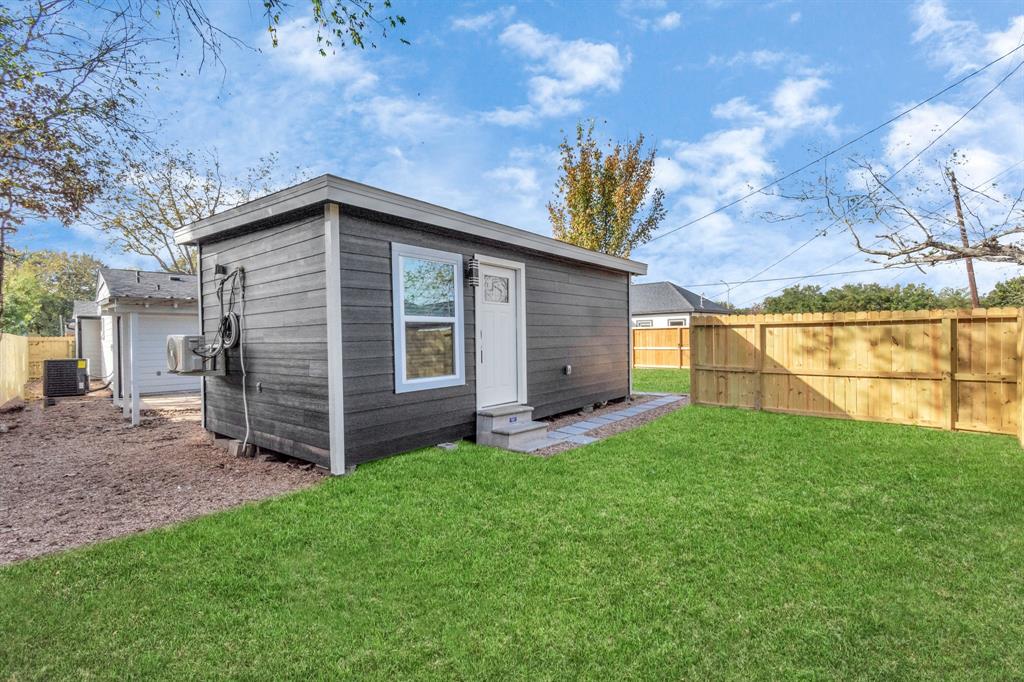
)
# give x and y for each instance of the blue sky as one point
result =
(733, 94)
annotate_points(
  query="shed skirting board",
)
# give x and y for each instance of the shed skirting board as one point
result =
(335, 368)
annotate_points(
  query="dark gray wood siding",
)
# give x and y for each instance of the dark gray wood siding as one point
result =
(286, 338)
(576, 314)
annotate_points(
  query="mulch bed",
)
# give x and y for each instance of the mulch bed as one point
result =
(608, 429)
(77, 473)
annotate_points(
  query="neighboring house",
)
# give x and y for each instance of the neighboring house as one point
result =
(138, 311)
(87, 325)
(376, 323)
(664, 304)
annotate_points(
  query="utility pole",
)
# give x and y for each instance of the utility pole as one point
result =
(972, 285)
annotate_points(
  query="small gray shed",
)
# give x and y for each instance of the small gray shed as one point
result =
(374, 323)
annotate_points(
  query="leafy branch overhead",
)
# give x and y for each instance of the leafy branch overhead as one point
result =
(603, 200)
(340, 22)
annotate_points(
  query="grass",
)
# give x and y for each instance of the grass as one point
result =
(710, 543)
(662, 380)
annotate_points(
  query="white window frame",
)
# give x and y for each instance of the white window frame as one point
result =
(403, 384)
(645, 323)
(684, 322)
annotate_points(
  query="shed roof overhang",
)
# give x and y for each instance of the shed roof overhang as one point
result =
(332, 189)
(110, 306)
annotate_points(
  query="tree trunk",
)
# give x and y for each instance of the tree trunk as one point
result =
(971, 283)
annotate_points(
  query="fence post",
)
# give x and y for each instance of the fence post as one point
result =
(758, 365)
(949, 371)
(679, 347)
(694, 376)
(1020, 376)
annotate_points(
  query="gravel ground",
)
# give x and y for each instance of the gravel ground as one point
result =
(76, 473)
(608, 429)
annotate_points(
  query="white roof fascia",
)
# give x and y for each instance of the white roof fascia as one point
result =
(330, 188)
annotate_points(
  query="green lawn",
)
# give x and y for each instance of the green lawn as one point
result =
(710, 543)
(662, 380)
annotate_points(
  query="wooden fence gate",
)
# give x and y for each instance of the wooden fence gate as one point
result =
(950, 369)
(666, 347)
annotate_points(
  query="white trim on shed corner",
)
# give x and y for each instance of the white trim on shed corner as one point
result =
(335, 361)
(520, 269)
(331, 188)
(629, 327)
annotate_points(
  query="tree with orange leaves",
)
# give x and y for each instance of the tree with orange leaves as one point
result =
(603, 199)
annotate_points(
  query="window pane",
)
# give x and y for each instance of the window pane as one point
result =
(495, 289)
(429, 287)
(429, 350)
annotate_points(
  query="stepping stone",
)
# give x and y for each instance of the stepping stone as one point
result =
(582, 440)
(602, 420)
(573, 429)
(588, 425)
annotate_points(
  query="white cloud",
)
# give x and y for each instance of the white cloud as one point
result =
(298, 52)
(479, 22)
(795, 17)
(669, 21)
(565, 71)
(789, 62)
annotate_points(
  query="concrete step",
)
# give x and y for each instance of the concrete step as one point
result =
(520, 436)
(491, 418)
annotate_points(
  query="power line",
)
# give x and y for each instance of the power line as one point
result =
(823, 231)
(839, 148)
(817, 273)
(780, 279)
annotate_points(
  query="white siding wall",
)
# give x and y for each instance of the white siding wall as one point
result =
(151, 363)
(661, 320)
(107, 347)
(90, 345)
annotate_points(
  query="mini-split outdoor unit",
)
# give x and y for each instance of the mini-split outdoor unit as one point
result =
(65, 377)
(181, 354)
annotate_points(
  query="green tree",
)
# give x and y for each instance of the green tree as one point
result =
(42, 288)
(799, 298)
(1007, 293)
(603, 199)
(863, 297)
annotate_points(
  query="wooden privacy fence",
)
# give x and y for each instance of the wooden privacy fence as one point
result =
(668, 347)
(13, 366)
(47, 348)
(950, 369)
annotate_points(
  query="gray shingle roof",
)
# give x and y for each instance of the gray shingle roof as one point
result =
(666, 297)
(140, 284)
(86, 309)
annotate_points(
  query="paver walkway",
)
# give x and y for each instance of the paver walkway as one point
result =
(577, 432)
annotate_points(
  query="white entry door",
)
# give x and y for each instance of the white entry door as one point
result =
(497, 321)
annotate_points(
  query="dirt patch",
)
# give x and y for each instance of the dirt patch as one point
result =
(76, 473)
(609, 429)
